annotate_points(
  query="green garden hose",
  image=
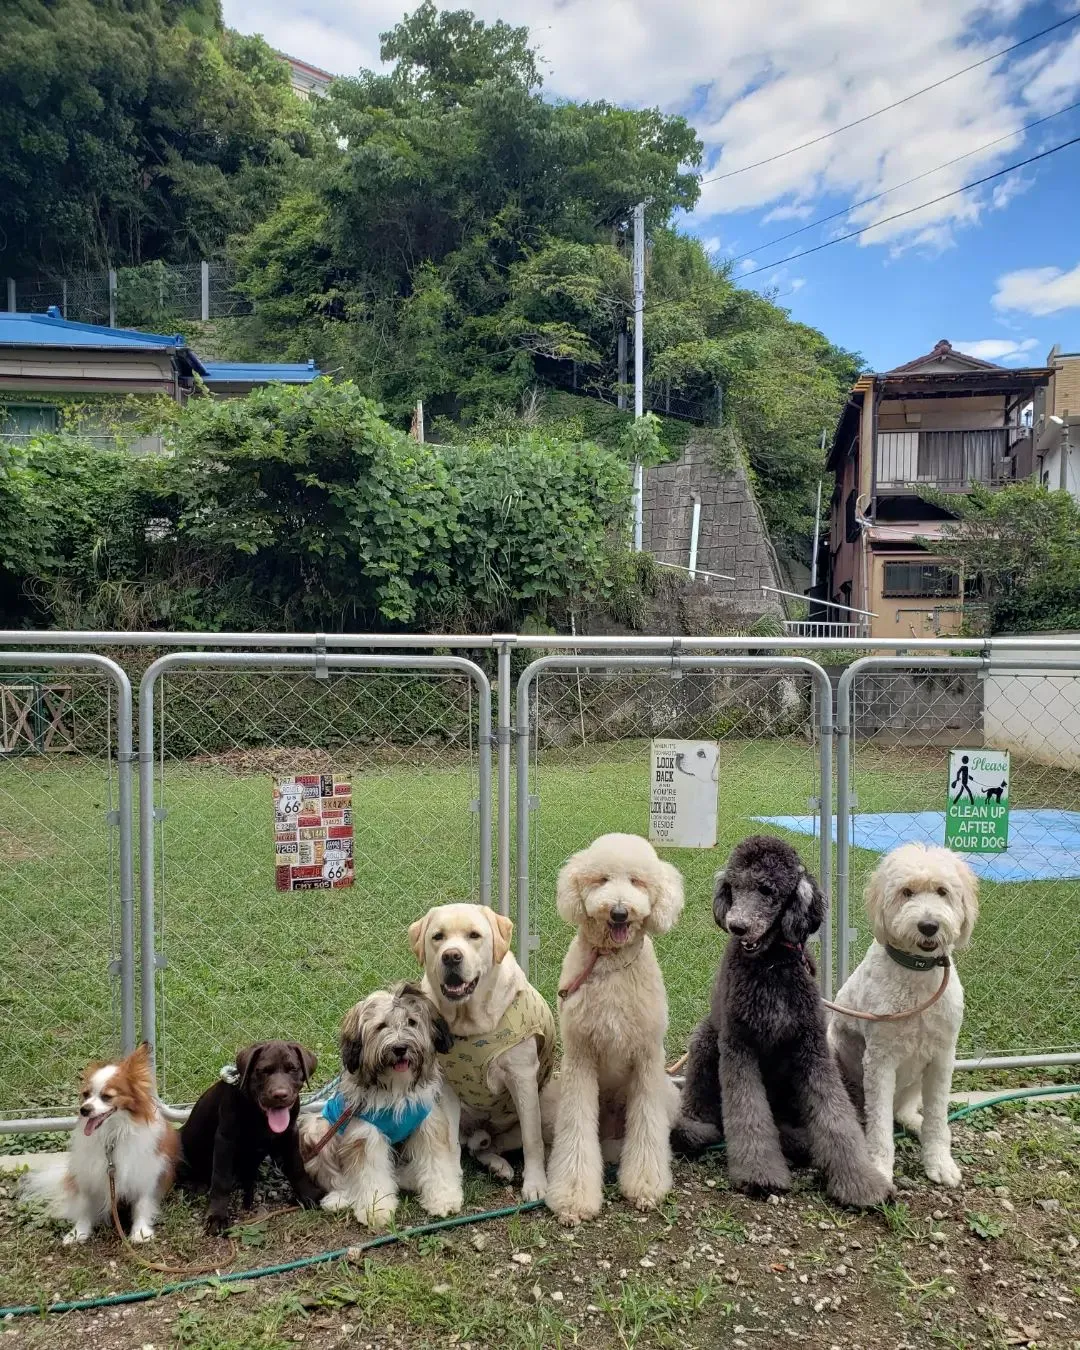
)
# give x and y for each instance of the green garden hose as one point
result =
(458, 1221)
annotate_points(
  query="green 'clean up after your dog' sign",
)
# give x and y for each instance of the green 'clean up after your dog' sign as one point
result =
(977, 810)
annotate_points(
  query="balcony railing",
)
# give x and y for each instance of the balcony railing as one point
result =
(948, 460)
(825, 628)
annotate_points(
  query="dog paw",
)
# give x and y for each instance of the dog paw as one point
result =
(76, 1235)
(378, 1214)
(533, 1186)
(501, 1169)
(142, 1233)
(860, 1192)
(334, 1200)
(943, 1170)
(442, 1203)
(762, 1183)
(216, 1224)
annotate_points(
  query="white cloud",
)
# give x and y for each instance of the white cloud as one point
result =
(999, 349)
(747, 264)
(754, 79)
(1038, 290)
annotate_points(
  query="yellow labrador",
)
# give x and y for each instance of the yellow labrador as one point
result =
(499, 1071)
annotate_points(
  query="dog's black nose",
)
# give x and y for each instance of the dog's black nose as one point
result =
(928, 927)
(451, 957)
(619, 914)
(85, 1109)
(737, 929)
(401, 1051)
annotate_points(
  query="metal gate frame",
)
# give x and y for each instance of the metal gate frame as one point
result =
(996, 659)
(123, 822)
(677, 661)
(320, 665)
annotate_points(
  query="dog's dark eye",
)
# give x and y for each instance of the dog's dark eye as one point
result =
(474, 937)
(942, 891)
(437, 937)
(107, 1096)
(603, 881)
(84, 1094)
(907, 892)
(637, 881)
(766, 891)
(412, 1021)
(383, 1026)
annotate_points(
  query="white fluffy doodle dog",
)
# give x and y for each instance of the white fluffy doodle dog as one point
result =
(392, 1130)
(922, 902)
(613, 1017)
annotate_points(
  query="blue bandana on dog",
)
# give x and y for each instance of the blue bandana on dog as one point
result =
(396, 1125)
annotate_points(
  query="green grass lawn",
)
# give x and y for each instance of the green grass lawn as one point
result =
(244, 962)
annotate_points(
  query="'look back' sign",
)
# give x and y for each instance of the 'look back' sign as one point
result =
(977, 810)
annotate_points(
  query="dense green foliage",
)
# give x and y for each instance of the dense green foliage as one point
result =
(304, 508)
(136, 129)
(458, 238)
(1023, 543)
(437, 230)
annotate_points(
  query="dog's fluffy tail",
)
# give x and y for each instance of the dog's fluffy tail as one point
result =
(691, 1136)
(48, 1184)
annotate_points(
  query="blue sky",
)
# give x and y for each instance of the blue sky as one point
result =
(996, 271)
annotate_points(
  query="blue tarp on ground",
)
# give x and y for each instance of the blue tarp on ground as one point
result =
(1043, 845)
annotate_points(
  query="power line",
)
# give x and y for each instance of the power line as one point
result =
(846, 210)
(816, 140)
(852, 234)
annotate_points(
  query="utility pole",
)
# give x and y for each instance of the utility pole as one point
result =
(621, 395)
(639, 356)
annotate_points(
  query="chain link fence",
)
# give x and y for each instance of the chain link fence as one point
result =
(911, 723)
(404, 745)
(65, 891)
(585, 727)
(154, 296)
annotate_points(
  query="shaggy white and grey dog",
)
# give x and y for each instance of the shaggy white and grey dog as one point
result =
(393, 1131)
(922, 903)
(613, 1017)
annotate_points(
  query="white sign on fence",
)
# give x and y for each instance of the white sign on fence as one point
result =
(683, 796)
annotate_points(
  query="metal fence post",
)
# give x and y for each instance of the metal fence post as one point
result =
(122, 818)
(504, 735)
(12, 298)
(204, 308)
(843, 823)
(112, 297)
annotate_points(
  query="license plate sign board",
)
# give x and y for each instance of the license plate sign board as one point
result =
(313, 833)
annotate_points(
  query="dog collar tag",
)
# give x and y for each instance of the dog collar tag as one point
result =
(912, 962)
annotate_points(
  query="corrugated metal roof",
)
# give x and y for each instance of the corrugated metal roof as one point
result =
(51, 329)
(260, 372)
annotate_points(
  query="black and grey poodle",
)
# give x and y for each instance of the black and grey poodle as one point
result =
(759, 1072)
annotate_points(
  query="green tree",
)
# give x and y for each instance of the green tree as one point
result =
(136, 129)
(1022, 545)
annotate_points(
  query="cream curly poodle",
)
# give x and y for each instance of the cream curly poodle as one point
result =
(922, 902)
(613, 1017)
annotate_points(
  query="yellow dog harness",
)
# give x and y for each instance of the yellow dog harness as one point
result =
(465, 1067)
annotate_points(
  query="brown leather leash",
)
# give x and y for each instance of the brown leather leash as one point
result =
(903, 1015)
(338, 1124)
(163, 1267)
(578, 980)
(895, 1016)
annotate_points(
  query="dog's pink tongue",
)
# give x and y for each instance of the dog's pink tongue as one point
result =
(90, 1126)
(278, 1119)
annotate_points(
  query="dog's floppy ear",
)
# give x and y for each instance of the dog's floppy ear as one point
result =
(874, 897)
(969, 900)
(722, 898)
(569, 889)
(441, 1035)
(665, 896)
(418, 935)
(502, 930)
(352, 1044)
(307, 1060)
(245, 1062)
(805, 910)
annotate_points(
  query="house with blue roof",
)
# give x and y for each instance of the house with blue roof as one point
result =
(47, 361)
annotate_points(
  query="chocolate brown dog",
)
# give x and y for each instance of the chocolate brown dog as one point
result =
(234, 1126)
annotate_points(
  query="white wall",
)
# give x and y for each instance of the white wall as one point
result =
(1035, 714)
(1051, 470)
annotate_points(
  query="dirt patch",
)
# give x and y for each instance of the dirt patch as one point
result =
(995, 1263)
(20, 848)
(281, 761)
